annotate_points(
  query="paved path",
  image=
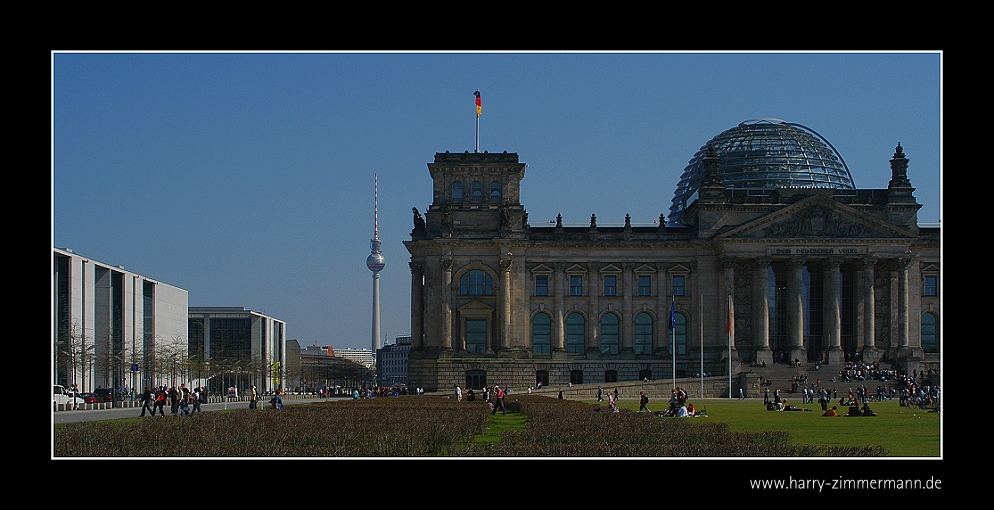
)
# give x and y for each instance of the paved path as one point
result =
(131, 412)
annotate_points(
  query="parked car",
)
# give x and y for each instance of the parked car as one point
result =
(63, 396)
(91, 398)
(106, 394)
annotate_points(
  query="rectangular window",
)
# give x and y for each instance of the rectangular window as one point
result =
(575, 285)
(610, 285)
(542, 285)
(679, 286)
(931, 285)
(476, 335)
(645, 285)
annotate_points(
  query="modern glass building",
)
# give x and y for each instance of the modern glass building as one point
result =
(230, 346)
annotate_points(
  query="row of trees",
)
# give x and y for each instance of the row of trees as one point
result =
(80, 363)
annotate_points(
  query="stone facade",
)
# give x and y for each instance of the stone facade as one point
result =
(805, 273)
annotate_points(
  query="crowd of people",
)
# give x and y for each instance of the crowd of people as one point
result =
(182, 400)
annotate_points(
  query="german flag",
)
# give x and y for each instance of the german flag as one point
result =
(479, 103)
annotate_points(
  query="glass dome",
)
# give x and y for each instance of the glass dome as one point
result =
(765, 154)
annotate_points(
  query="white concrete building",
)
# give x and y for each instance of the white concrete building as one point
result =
(112, 327)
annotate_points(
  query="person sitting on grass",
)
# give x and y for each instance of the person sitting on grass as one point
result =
(853, 409)
(831, 412)
(690, 409)
(866, 411)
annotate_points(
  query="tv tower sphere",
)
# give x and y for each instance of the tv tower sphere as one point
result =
(375, 261)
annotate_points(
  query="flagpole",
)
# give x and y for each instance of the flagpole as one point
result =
(479, 108)
(701, 312)
(672, 331)
(729, 319)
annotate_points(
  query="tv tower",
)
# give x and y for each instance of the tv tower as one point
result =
(375, 263)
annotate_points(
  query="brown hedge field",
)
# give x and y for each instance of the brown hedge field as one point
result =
(423, 426)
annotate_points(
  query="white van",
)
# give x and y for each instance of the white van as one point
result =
(63, 396)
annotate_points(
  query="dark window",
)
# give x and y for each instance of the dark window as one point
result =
(542, 285)
(476, 379)
(645, 285)
(476, 335)
(645, 375)
(542, 377)
(575, 334)
(610, 285)
(609, 334)
(643, 334)
(542, 334)
(931, 285)
(457, 190)
(679, 286)
(930, 332)
(477, 190)
(495, 190)
(575, 285)
(610, 376)
(576, 376)
(476, 283)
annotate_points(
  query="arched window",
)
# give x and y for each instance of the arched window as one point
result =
(477, 190)
(679, 335)
(476, 283)
(495, 190)
(575, 335)
(542, 334)
(609, 334)
(457, 190)
(643, 333)
(930, 332)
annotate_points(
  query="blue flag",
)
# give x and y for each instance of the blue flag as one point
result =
(672, 315)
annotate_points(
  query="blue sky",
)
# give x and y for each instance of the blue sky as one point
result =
(247, 178)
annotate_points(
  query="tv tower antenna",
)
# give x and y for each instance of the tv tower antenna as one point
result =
(375, 263)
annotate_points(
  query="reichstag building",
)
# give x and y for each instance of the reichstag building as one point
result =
(769, 253)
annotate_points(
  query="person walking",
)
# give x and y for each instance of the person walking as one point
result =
(458, 394)
(253, 404)
(146, 399)
(643, 401)
(499, 394)
(600, 394)
(173, 400)
(160, 401)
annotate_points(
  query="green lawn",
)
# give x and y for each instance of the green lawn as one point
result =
(902, 431)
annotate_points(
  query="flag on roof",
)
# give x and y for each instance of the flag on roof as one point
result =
(479, 103)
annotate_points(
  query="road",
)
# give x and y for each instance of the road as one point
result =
(116, 413)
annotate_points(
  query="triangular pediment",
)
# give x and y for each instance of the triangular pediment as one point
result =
(817, 217)
(475, 307)
(645, 268)
(610, 268)
(542, 269)
(576, 268)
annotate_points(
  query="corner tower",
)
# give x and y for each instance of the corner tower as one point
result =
(475, 196)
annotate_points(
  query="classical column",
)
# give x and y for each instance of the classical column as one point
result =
(504, 339)
(446, 303)
(558, 333)
(903, 314)
(629, 287)
(728, 266)
(833, 314)
(869, 343)
(762, 311)
(795, 310)
(417, 306)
